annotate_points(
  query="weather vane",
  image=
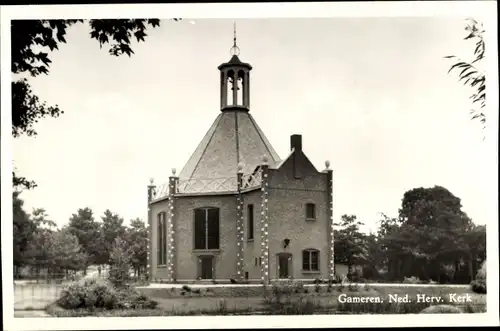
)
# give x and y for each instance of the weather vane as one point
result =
(235, 50)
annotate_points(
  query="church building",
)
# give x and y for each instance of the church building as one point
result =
(237, 210)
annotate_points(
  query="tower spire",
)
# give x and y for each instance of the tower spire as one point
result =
(235, 50)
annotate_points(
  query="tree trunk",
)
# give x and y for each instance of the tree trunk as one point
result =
(455, 272)
(471, 271)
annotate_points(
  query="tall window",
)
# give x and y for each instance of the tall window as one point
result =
(206, 228)
(162, 239)
(250, 222)
(310, 211)
(310, 260)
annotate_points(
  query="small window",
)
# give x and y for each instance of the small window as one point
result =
(246, 274)
(256, 261)
(260, 261)
(310, 260)
(250, 222)
(310, 212)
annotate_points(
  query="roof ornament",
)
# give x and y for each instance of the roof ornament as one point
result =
(235, 50)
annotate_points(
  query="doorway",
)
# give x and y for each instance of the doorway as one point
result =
(284, 265)
(206, 267)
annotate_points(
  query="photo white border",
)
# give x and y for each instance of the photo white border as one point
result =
(486, 11)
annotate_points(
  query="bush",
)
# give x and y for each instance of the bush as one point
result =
(412, 280)
(96, 293)
(283, 299)
(478, 285)
(370, 272)
(89, 293)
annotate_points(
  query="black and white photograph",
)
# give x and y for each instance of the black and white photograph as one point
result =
(249, 165)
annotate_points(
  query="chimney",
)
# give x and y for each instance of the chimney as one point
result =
(296, 142)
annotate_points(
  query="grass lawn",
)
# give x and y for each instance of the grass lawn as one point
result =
(317, 300)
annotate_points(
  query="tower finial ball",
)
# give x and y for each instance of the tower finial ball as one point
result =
(174, 171)
(240, 167)
(264, 159)
(327, 164)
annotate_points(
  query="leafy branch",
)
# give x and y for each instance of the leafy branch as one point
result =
(32, 43)
(469, 74)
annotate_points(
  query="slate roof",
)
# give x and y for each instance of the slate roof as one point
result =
(233, 138)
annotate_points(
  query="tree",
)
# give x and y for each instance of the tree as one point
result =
(38, 254)
(23, 232)
(433, 231)
(40, 217)
(350, 244)
(470, 74)
(475, 241)
(137, 241)
(32, 43)
(119, 270)
(65, 252)
(112, 228)
(88, 232)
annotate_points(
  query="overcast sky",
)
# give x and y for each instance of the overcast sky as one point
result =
(371, 95)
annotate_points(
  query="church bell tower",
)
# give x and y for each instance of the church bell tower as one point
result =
(235, 81)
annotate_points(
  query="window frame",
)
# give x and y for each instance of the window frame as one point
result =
(310, 252)
(161, 240)
(207, 231)
(307, 206)
(250, 220)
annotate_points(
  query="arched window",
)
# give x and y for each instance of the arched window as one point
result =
(162, 238)
(310, 260)
(206, 228)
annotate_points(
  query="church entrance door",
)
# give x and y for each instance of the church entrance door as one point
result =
(207, 267)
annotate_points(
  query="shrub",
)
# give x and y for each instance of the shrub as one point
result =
(96, 293)
(353, 287)
(89, 293)
(478, 285)
(283, 299)
(412, 280)
(370, 272)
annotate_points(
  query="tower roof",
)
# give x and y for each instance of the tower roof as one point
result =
(234, 138)
(235, 62)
